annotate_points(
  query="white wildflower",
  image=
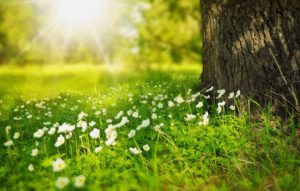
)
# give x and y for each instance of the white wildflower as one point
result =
(92, 123)
(65, 128)
(16, 135)
(8, 143)
(144, 124)
(81, 116)
(238, 93)
(231, 95)
(221, 104)
(221, 93)
(30, 168)
(146, 147)
(219, 109)
(179, 99)
(39, 133)
(98, 149)
(58, 165)
(210, 89)
(79, 181)
(135, 151)
(119, 115)
(69, 135)
(62, 182)
(52, 131)
(205, 119)
(129, 112)
(34, 152)
(95, 134)
(60, 141)
(199, 105)
(157, 127)
(135, 114)
(190, 117)
(83, 125)
(154, 116)
(170, 104)
(131, 134)
(232, 107)
(123, 122)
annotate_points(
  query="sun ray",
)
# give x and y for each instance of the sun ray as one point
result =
(48, 30)
(99, 46)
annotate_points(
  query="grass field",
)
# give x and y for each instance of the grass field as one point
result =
(86, 127)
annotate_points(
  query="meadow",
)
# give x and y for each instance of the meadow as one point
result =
(88, 127)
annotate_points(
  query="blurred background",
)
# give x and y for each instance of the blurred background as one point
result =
(114, 32)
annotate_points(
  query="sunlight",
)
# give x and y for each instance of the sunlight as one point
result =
(80, 12)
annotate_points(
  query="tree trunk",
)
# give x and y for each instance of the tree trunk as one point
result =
(254, 46)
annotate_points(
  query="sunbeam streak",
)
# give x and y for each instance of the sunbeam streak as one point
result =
(44, 33)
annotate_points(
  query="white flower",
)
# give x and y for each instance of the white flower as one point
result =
(83, 125)
(144, 124)
(231, 95)
(129, 112)
(146, 148)
(170, 104)
(219, 109)
(60, 141)
(221, 104)
(232, 107)
(123, 122)
(190, 117)
(179, 99)
(7, 129)
(16, 135)
(210, 89)
(82, 115)
(59, 165)
(135, 114)
(39, 133)
(157, 127)
(154, 116)
(199, 105)
(51, 131)
(34, 152)
(8, 143)
(30, 168)
(65, 128)
(135, 151)
(47, 123)
(207, 97)
(160, 105)
(131, 134)
(95, 134)
(98, 149)
(205, 119)
(79, 181)
(238, 93)
(69, 135)
(119, 115)
(110, 141)
(62, 182)
(221, 93)
(109, 121)
(92, 123)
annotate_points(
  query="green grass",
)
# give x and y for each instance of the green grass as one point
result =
(232, 152)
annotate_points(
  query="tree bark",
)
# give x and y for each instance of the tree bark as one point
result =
(254, 46)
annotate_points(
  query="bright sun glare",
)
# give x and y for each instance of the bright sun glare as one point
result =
(79, 12)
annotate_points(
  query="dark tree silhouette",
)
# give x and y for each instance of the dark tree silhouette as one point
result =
(254, 46)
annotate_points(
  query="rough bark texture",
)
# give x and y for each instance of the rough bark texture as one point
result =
(254, 46)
